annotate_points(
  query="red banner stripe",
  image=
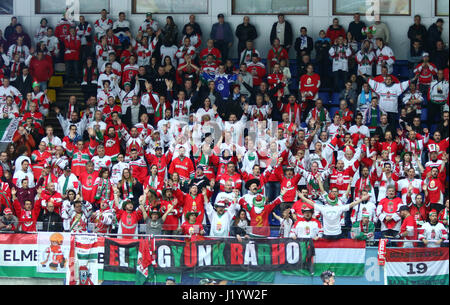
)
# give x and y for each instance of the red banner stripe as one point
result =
(416, 255)
(342, 243)
(22, 239)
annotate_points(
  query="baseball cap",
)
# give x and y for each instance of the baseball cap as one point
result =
(7, 211)
(425, 54)
(220, 16)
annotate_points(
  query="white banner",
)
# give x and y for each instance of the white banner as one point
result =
(53, 252)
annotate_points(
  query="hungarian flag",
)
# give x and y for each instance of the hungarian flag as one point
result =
(417, 266)
(345, 257)
(83, 260)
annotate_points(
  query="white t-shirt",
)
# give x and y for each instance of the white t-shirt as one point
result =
(331, 216)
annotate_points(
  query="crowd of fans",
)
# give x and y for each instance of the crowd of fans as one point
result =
(187, 141)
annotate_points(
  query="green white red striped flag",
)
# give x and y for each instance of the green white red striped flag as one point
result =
(345, 257)
(417, 266)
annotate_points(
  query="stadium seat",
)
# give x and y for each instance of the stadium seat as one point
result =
(51, 95)
(325, 97)
(55, 82)
(423, 116)
(335, 99)
(332, 111)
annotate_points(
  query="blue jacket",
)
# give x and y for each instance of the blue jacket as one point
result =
(227, 33)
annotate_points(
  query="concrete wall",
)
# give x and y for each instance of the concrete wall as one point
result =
(320, 17)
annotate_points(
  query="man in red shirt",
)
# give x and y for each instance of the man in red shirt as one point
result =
(408, 230)
(182, 165)
(41, 68)
(72, 44)
(309, 87)
(276, 54)
(259, 214)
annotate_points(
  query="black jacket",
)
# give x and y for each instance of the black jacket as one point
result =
(244, 33)
(439, 58)
(127, 117)
(308, 49)
(288, 34)
(355, 29)
(380, 132)
(414, 30)
(433, 35)
(195, 26)
(51, 222)
(24, 86)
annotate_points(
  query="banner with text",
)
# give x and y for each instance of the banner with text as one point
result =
(231, 255)
(418, 266)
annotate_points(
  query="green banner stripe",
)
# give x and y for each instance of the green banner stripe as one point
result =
(339, 269)
(93, 256)
(242, 276)
(25, 272)
(303, 251)
(130, 277)
(418, 280)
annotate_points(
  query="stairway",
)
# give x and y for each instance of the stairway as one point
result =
(62, 98)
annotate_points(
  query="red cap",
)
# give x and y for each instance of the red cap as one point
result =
(7, 211)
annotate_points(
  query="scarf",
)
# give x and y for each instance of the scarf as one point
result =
(103, 189)
(127, 190)
(365, 100)
(90, 74)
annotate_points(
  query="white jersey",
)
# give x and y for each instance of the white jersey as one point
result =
(363, 130)
(433, 233)
(403, 185)
(221, 224)
(10, 112)
(72, 184)
(369, 207)
(102, 26)
(306, 228)
(117, 170)
(52, 44)
(388, 95)
(20, 175)
(121, 24)
(55, 141)
(331, 216)
(385, 56)
(100, 162)
(365, 62)
(9, 91)
(340, 57)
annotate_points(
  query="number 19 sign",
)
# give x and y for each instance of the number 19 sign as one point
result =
(417, 266)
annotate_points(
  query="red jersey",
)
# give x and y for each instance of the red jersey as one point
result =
(260, 221)
(128, 221)
(39, 159)
(171, 222)
(27, 219)
(409, 225)
(310, 84)
(87, 185)
(184, 167)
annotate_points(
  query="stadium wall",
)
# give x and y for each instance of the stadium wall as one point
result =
(320, 17)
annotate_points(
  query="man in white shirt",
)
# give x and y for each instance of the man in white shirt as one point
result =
(331, 215)
(68, 181)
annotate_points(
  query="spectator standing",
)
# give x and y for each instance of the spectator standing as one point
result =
(340, 53)
(335, 30)
(149, 22)
(245, 32)
(276, 54)
(283, 31)
(72, 45)
(384, 56)
(322, 47)
(417, 32)
(84, 32)
(414, 56)
(222, 35)
(102, 25)
(41, 69)
(355, 27)
(11, 28)
(170, 32)
(434, 34)
(381, 30)
(439, 57)
(303, 44)
(195, 26)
